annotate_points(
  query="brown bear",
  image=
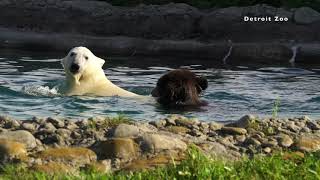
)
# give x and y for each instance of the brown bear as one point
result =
(180, 87)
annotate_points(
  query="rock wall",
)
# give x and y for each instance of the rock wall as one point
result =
(171, 21)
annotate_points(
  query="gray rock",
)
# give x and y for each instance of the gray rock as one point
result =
(125, 130)
(306, 15)
(8, 123)
(31, 127)
(159, 123)
(186, 122)
(233, 130)
(65, 133)
(124, 148)
(270, 143)
(240, 138)
(49, 127)
(21, 136)
(245, 122)
(253, 141)
(71, 125)
(215, 126)
(56, 122)
(313, 125)
(161, 143)
(305, 130)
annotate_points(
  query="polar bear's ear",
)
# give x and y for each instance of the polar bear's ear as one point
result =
(100, 61)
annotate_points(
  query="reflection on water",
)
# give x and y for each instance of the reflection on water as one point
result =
(29, 87)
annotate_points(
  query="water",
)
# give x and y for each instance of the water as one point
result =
(28, 87)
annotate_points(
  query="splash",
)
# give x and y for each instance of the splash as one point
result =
(37, 90)
(224, 60)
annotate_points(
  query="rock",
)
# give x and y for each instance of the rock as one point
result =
(308, 143)
(285, 140)
(125, 130)
(305, 118)
(65, 133)
(103, 166)
(158, 124)
(267, 150)
(49, 128)
(29, 127)
(56, 122)
(186, 122)
(217, 150)
(233, 130)
(123, 148)
(71, 125)
(306, 15)
(21, 136)
(253, 141)
(11, 151)
(269, 143)
(153, 162)
(291, 126)
(8, 123)
(313, 125)
(178, 129)
(74, 156)
(53, 168)
(245, 122)
(213, 126)
(171, 120)
(155, 143)
(305, 130)
(240, 138)
(195, 132)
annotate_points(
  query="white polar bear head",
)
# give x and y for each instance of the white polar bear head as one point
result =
(81, 62)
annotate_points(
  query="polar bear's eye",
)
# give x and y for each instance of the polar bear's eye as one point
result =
(72, 54)
(86, 57)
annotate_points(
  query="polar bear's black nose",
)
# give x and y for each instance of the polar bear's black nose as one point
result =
(74, 68)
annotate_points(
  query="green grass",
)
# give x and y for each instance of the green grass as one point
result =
(199, 166)
(109, 121)
(223, 3)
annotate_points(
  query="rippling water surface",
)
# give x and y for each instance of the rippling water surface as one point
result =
(29, 87)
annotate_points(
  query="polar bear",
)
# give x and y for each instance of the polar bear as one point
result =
(85, 76)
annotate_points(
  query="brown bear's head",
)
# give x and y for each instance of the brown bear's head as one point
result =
(179, 87)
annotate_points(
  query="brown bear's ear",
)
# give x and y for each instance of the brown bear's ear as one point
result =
(202, 82)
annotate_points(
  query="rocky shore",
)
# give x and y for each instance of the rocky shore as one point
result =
(111, 144)
(168, 30)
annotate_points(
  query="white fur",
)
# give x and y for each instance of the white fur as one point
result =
(90, 80)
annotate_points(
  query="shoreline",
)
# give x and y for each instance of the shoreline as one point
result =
(119, 143)
(219, 52)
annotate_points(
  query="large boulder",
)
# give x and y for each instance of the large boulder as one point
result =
(11, 151)
(126, 130)
(308, 143)
(155, 143)
(21, 136)
(73, 156)
(123, 148)
(306, 15)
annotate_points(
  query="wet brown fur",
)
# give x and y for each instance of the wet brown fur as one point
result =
(179, 87)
